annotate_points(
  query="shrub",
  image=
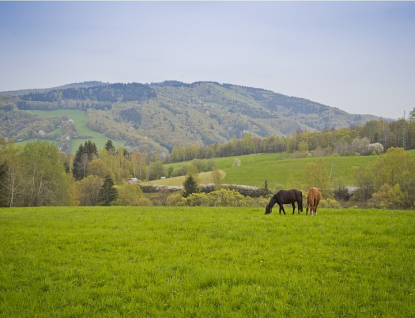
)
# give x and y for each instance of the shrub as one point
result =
(222, 197)
(390, 198)
(330, 203)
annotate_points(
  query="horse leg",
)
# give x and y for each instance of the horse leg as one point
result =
(282, 208)
(293, 207)
(306, 209)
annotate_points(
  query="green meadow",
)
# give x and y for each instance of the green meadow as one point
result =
(79, 118)
(205, 262)
(280, 170)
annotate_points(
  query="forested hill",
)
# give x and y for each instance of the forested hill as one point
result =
(158, 116)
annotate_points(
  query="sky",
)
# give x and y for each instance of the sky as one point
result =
(356, 56)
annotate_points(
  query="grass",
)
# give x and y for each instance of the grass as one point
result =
(279, 170)
(205, 262)
(284, 173)
(79, 118)
(204, 178)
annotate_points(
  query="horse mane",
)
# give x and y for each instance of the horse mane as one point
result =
(272, 201)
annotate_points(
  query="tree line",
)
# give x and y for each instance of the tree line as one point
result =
(38, 174)
(357, 140)
(111, 93)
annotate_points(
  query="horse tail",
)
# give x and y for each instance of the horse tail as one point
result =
(301, 202)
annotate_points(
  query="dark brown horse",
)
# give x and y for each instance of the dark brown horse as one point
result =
(313, 199)
(286, 197)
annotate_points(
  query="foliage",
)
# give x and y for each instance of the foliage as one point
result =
(88, 189)
(130, 194)
(316, 174)
(109, 147)
(395, 167)
(222, 197)
(157, 117)
(33, 175)
(97, 167)
(190, 186)
(390, 198)
(107, 193)
(364, 181)
(329, 203)
(85, 153)
(104, 93)
(389, 182)
(12, 181)
(205, 262)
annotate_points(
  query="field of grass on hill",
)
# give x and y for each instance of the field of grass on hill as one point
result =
(79, 118)
(279, 170)
(205, 262)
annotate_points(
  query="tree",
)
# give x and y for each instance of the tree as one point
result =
(88, 189)
(364, 180)
(109, 147)
(97, 167)
(216, 178)
(108, 193)
(316, 174)
(11, 182)
(138, 164)
(156, 170)
(131, 194)
(396, 166)
(85, 153)
(390, 198)
(190, 186)
(45, 181)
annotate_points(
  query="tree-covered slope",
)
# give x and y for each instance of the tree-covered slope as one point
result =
(157, 116)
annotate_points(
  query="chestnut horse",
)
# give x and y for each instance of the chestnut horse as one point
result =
(286, 197)
(313, 199)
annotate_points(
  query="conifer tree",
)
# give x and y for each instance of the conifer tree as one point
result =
(108, 193)
(109, 147)
(190, 186)
(85, 153)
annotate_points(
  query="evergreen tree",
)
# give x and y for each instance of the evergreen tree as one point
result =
(108, 193)
(85, 153)
(109, 147)
(190, 186)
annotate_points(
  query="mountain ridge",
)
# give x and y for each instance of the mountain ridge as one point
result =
(157, 116)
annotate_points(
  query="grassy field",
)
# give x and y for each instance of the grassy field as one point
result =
(204, 178)
(205, 262)
(79, 118)
(279, 170)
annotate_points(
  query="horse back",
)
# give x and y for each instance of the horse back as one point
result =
(314, 195)
(288, 196)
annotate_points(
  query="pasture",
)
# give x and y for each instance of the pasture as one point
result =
(79, 118)
(205, 262)
(280, 171)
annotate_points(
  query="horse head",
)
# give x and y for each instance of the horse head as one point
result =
(268, 209)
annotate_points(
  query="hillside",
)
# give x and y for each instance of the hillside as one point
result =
(280, 170)
(157, 116)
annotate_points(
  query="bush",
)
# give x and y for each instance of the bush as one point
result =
(253, 192)
(222, 197)
(390, 198)
(329, 203)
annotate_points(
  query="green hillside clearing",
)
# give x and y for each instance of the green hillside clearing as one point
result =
(79, 118)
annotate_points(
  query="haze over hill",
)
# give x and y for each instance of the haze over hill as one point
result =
(158, 116)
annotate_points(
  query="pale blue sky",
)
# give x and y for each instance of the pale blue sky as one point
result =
(357, 56)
